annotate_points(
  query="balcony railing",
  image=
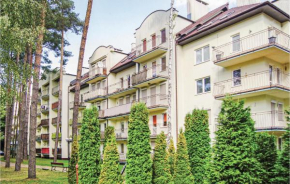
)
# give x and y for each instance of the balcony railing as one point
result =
(151, 44)
(121, 133)
(118, 110)
(155, 100)
(44, 108)
(44, 122)
(81, 105)
(150, 73)
(120, 86)
(45, 151)
(252, 82)
(55, 90)
(122, 156)
(54, 106)
(54, 121)
(45, 137)
(255, 41)
(38, 138)
(38, 150)
(97, 71)
(45, 93)
(58, 151)
(95, 94)
(53, 135)
(270, 120)
(80, 119)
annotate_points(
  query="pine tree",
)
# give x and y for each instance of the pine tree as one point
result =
(161, 169)
(110, 173)
(234, 150)
(182, 174)
(198, 144)
(89, 150)
(109, 132)
(266, 154)
(139, 163)
(171, 157)
(73, 161)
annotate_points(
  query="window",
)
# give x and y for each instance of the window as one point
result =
(164, 119)
(122, 82)
(163, 36)
(202, 54)
(280, 112)
(121, 101)
(134, 98)
(128, 80)
(144, 45)
(127, 99)
(154, 69)
(203, 85)
(122, 148)
(155, 121)
(162, 91)
(237, 77)
(163, 64)
(236, 43)
(153, 41)
(122, 127)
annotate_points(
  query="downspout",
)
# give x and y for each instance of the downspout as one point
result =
(176, 96)
(68, 120)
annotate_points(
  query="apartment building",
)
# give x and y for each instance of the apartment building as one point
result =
(241, 51)
(47, 116)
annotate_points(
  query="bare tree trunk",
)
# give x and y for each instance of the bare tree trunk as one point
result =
(79, 70)
(34, 98)
(59, 99)
(8, 125)
(6, 128)
(25, 141)
(171, 26)
(15, 127)
(22, 103)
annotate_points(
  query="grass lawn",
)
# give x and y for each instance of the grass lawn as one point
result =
(49, 177)
(39, 161)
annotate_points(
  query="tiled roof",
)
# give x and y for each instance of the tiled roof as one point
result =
(214, 18)
(126, 60)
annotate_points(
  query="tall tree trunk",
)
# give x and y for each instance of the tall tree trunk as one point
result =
(25, 141)
(15, 127)
(171, 26)
(9, 114)
(79, 70)
(34, 98)
(59, 99)
(22, 103)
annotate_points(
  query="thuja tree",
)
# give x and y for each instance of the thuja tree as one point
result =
(139, 163)
(198, 144)
(171, 157)
(161, 169)
(110, 173)
(89, 150)
(234, 150)
(73, 162)
(266, 154)
(109, 132)
(182, 171)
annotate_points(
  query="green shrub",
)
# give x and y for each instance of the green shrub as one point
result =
(73, 161)
(89, 150)
(171, 157)
(139, 163)
(109, 131)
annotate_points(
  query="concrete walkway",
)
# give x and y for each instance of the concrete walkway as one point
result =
(26, 166)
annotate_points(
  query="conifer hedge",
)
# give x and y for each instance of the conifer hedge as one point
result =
(139, 163)
(182, 172)
(89, 149)
(161, 169)
(234, 150)
(73, 161)
(171, 157)
(198, 144)
(109, 132)
(110, 173)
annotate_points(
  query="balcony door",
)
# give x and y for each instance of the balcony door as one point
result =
(154, 69)
(271, 74)
(278, 75)
(144, 95)
(273, 105)
(153, 96)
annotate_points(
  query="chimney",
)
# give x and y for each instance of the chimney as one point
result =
(133, 46)
(247, 2)
(196, 9)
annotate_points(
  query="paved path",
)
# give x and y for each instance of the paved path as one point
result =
(26, 166)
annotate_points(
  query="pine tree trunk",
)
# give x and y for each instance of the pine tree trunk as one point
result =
(19, 154)
(34, 98)
(79, 70)
(8, 133)
(15, 127)
(59, 99)
(25, 141)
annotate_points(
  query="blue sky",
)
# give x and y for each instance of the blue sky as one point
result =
(113, 22)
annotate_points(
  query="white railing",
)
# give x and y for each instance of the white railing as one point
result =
(121, 133)
(97, 71)
(44, 108)
(55, 89)
(157, 129)
(95, 93)
(118, 110)
(122, 156)
(269, 120)
(151, 44)
(81, 104)
(252, 82)
(155, 100)
(45, 92)
(120, 86)
(150, 73)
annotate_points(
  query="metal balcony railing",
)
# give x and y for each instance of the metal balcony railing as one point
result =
(150, 73)
(38, 138)
(269, 120)
(121, 133)
(58, 151)
(268, 37)
(120, 86)
(97, 71)
(151, 44)
(81, 104)
(44, 108)
(44, 122)
(122, 156)
(80, 119)
(252, 82)
(94, 94)
(53, 135)
(55, 90)
(54, 106)
(118, 110)
(54, 121)
(155, 100)
(38, 150)
(45, 92)
(45, 136)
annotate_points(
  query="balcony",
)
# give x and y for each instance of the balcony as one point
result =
(38, 138)
(151, 49)
(44, 123)
(45, 94)
(58, 151)
(121, 88)
(45, 137)
(269, 121)
(45, 151)
(82, 105)
(96, 95)
(54, 106)
(121, 134)
(38, 151)
(39, 112)
(274, 83)
(122, 157)
(80, 119)
(157, 129)
(39, 99)
(54, 121)
(271, 43)
(53, 136)
(44, 109)
(55, 91)
(118, 112)
(96, 74)
(150, 76)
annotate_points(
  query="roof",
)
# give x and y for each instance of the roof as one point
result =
(221, 17)
(126, 62)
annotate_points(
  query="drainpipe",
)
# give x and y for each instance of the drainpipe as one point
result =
(176, 96)
(68, 92)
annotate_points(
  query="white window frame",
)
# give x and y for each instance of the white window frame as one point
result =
(203, 85)
(233, 77)
(202, 54)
